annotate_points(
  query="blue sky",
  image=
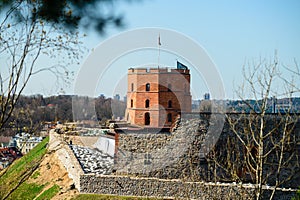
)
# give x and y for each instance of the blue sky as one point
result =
(232, 32)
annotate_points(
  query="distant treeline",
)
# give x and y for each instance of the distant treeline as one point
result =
(32, 111)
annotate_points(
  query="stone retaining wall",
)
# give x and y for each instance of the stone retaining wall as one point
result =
(66, 157)
(153, 187)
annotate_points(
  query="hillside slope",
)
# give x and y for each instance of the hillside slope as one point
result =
(37, 175)
(40, 175)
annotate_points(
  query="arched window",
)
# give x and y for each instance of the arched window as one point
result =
(169, 87)
(132, 87)
(131, 103)
(147, 118)
(169, 104)
(169, 117)
(147, 103)
(148, 87)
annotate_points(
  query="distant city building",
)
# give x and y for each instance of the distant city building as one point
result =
(25, 142)
(8, 155)
(195, 105)
(206, 96)
(274, 102)
(283, 108)
(156, 96)
(4, 141)
(125, 98)
(117, 97)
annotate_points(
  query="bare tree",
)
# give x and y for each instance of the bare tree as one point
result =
(269, 140)
(23, 39)
(30, 30)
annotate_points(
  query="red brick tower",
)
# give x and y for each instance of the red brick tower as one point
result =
(156, 96)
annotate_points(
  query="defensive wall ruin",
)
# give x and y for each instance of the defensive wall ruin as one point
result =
(170, 165)
(180, 155)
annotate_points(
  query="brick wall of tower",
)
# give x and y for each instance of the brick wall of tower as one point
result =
(137, 92)
(165, 85)
(174, 87)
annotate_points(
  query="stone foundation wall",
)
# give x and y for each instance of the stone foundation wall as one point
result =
(153, 187)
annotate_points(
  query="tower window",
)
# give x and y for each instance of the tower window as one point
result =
(147, 118)
(147, 103)
(169, 104)
(132, 87)
(169, 117)
(148, 87)
(131, 103)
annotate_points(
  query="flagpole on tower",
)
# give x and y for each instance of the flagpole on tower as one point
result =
(159, 44)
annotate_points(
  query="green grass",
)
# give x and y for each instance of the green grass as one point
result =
(21, 169)
(48, 194)
(297, 195)
(26, 191)
(109, 197)
(35, 175)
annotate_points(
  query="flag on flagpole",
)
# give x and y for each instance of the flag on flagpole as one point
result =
(159, 40)
(181, 66)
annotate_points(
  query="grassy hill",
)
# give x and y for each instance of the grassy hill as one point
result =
(39, 175)
(13, 180)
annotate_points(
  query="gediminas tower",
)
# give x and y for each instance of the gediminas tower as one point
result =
(156, 96)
